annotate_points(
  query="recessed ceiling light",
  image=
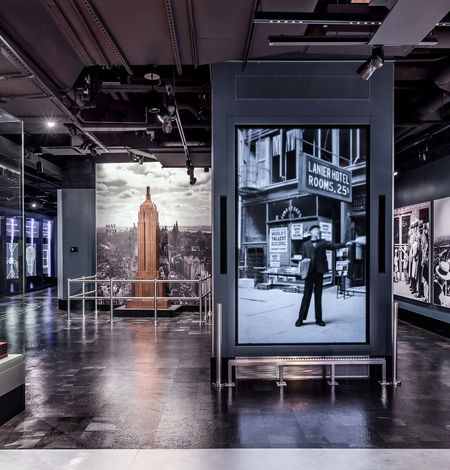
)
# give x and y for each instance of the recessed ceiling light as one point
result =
(152, 76)
(51, 124)
(395, 173)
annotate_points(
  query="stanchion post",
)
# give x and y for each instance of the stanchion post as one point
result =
(83, 302)
(395, 381)
(200, 293)
(218, 383)
(111, 301)
(155, 302)
(68, 300)
(96, 295)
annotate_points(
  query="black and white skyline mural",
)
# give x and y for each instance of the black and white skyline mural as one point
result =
(184, 213)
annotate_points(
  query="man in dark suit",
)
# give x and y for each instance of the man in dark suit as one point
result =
(315, 249)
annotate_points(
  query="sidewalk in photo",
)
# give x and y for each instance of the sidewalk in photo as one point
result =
(268, 316)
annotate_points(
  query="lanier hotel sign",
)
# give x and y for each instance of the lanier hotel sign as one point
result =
(320, 177)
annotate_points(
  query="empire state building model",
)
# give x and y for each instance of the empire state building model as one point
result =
(147, 258)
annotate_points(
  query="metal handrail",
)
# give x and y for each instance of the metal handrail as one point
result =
(204, 297)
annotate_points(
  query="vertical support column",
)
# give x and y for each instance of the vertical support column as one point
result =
(111, 301)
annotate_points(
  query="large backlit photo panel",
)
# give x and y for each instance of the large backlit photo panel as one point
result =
(302, 235)
(411, 263)
(441, 252)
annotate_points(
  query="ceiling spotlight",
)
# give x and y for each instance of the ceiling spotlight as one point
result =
(171, 104)
(51, 124)
(153, 78)
(33, 205)
(167, 127)
(93, 150)
(395, 173)
(154, 101)
(135, 158)
(85, 144)
(375, 62)
(423, 154)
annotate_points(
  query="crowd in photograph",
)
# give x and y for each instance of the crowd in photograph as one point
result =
(411, 261)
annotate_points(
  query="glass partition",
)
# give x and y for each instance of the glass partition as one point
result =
(12, 233)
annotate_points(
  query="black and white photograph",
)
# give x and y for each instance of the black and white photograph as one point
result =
(411, 262)
(302, 235)
(183, 214)
(441, 252)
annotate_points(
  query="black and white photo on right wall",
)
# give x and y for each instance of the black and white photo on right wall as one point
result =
(421, 252)
(441, 252)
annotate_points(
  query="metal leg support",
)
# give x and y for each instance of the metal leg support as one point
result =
(281, 382)
(332, 382)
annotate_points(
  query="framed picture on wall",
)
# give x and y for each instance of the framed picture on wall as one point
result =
(299, 198)
(441, 253)
(412, 251)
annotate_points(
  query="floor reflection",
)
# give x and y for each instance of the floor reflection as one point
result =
(91, 384)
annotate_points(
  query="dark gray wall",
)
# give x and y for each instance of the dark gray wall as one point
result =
(426, 183)
(76, 227)
(292, 93)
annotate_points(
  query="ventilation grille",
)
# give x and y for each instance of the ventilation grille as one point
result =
(299, 372)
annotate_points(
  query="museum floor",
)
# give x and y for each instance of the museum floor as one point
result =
(91, 385)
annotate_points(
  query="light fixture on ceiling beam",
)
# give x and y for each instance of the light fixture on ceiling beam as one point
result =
(338, 19)
(373, 63)
(292, 41)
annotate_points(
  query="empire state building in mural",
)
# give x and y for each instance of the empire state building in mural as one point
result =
(148, 257)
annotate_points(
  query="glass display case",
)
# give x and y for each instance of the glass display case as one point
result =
(12, 268)
(12, 250)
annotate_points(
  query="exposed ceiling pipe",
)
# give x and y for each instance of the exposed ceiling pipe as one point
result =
(424, 138)
(124, 127)
(20, 60)
(144, 88)
(189, 167)
(439, 98)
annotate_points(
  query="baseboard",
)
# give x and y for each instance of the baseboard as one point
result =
(427, 323)
(12, 403)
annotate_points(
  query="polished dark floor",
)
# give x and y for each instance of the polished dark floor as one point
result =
(93, 385)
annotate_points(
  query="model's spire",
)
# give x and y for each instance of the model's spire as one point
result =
(147, 197)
